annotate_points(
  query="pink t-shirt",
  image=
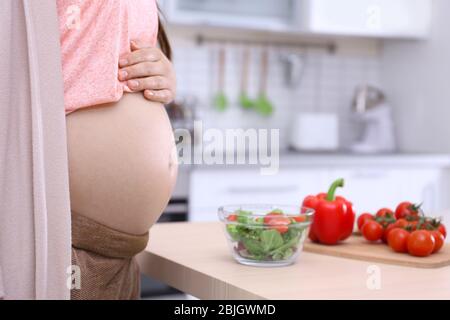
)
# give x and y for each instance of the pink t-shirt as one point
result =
(94, 35)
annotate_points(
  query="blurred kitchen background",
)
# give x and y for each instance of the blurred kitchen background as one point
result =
(359, 89)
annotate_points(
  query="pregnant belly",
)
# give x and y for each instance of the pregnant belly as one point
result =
(122, 162)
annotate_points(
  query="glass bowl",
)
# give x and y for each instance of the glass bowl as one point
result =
(266, 235)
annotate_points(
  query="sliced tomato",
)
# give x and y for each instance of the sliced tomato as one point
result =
(271, 215)
(281, 224)
(300, 218)
(232, 217)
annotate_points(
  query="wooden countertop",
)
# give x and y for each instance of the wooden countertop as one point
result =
(195, 258)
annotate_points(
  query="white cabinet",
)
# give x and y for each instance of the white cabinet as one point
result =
(373, 18)
(252, 14)
(211, 188)
(381, 18)
(369, 187)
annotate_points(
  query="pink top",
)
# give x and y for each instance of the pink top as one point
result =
(94, 35)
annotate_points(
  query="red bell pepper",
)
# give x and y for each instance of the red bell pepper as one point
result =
(333, 218)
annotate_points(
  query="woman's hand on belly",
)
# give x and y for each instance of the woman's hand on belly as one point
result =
(148, 69)
(122, 164)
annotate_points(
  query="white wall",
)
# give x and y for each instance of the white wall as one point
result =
(416, 77)
(328, 83)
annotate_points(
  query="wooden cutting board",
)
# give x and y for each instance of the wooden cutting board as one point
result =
(356, 247)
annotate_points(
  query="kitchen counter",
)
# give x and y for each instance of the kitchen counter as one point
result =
(195, 258)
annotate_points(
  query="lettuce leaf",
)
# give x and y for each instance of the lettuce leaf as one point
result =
(270, 240)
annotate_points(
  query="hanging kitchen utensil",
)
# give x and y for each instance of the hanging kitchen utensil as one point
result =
(293, 68)
(262, 104)
(220, 99)
(244, 99)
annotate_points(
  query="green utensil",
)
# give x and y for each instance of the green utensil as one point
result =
(244, 99)
(262, 104)
(220, 100)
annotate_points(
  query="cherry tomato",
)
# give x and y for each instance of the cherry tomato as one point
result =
(385, 213)
(442, 230)
(425, 223)
(405, 209)
(421, 243)
(401, 223)
(439, 240)
(398, 240)
(412, 226)
(363, 218)
(281, 224)
(412, 218)
(387, 230)
(271, 215)
(385, 217)
(232, 217)
(372, 230)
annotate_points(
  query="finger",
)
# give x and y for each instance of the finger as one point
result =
(142, 70)
(141, 55)
(152, 83)
(163, 96)
(134, 45)
(137, 44)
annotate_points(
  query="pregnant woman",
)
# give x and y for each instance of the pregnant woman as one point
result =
(122, 159)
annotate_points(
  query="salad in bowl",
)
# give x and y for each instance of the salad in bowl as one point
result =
(266, 235)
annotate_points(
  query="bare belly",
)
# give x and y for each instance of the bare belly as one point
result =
(122, 162)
